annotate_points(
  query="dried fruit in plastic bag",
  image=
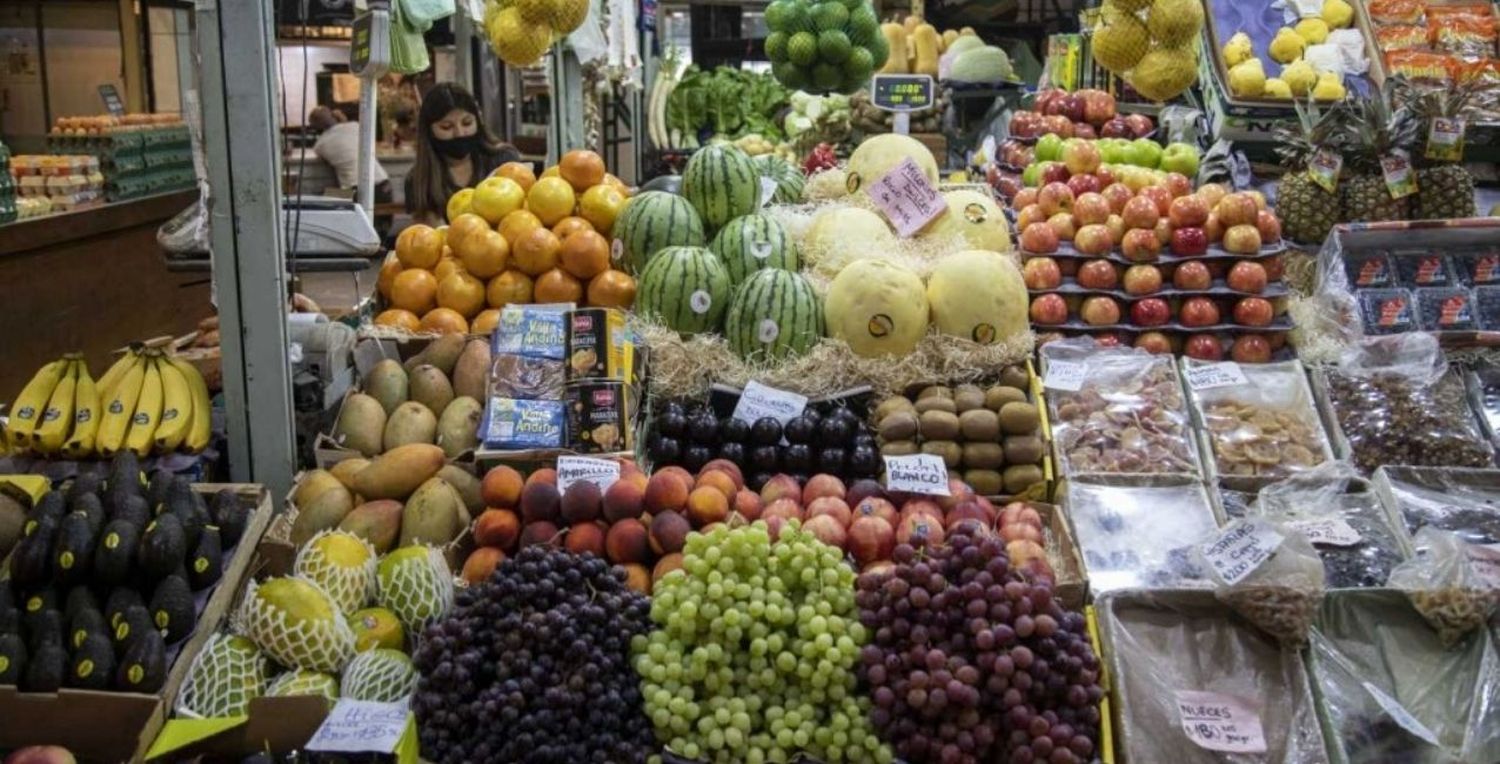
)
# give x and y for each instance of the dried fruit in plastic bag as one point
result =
(1445, 586)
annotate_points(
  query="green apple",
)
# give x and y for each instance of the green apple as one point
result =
(1031, 177)
(1109, 151)
(1144, 152)
(1180, 157)
(1049, 147)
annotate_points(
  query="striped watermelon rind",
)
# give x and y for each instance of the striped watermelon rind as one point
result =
(685, 288)
(651, 222)
(752, 242)
(789, 180)
(722, 183)
(775, 314)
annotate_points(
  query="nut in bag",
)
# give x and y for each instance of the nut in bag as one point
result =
(1269, 573)
(1450, 582)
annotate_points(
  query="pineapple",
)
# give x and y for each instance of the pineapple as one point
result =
(1444, 189)
(1377, 128)
(1307, 211)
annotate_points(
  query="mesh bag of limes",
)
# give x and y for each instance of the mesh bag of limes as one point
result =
(827, 46)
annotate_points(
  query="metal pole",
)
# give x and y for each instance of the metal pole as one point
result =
(463, 47)
(249, 264)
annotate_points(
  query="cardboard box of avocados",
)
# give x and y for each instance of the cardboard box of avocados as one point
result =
(119, 726)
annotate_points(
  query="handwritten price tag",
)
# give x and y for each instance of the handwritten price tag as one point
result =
(600, 472)
(1400, 715)
(1220, 722)
(1212, 375)
(1328, 531)
(1241, 548)
(907, 198)
(759, 401)
(361, 726)
(1066, 375)
(1485, 562)
(917, 473)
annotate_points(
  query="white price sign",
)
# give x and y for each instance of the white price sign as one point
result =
(1329, 531)
(1240, 549)
(767, 190)
(1212, 375)
(1066, 375)
(1220, 722)
(759, 401)
(1400, 715)
(917, 473)
(600, 472)
(361, 726)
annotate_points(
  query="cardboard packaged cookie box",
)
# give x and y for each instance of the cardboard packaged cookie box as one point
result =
(119, 726)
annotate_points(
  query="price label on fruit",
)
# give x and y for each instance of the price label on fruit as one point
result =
(361, 726)
(1400, 181)
(917, 473)
(1328, 531)
(1067, 376)
(1211, 375)
(907, 198)
(1445, 139)
(1220, 722)
(1241, 548)
(759, 401)
(1325, 168)
(600, 472)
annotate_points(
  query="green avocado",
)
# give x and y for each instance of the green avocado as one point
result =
(93, 664)
(121, 599)
(12, 658)
(231, 516)
(143, 666)
(131, 508)
(114, 555)
(206, 564)
(172, 609)
(86, 623)
(133, 622)
(44, 672)
(31, 560)
(163, 546)
(90, 505)
(73, 551)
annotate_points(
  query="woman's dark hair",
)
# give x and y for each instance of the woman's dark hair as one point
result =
(430, 184)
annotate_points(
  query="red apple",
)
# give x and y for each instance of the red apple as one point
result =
(1213, 229)
(1106, 177)
(1099, 310)
(1116, 226)
(1008, 184)
(871, 539)
(1062, 224)
(832, 506)
(1049, 101)
(1260, 200)
(1212, 193)
(1049, 309)
(1243, 239)
(1140, 212)
(1187, 242)
(1253, 311)
(1083, 184)
(1072, 107)
(1031, 213)
(1041, 273)
(1140, 245)
(1192, 275)
(1090, 208)
(1109, 340)
(1204, 347)
(1154, 342)
(1117, 194)
(1098, 107)
(1178, 184)
(1142, 280)
(1140, 125)
(1039, 238)
(1198, 311)
(1116, 127)
(1081, 156)
(1251, 348)
(1055, 198)
(1152, 311)
(1236, 209)
(1054, 172)
(1097, 274)
(1274, 267)
(1057, 124)
(1269, 225)
(1024, 198)
(1160, 195)
(1093, 239)
(1248, 276)
(1025, 124)
(1188, 212)
(1163, 231)
(1084, 131)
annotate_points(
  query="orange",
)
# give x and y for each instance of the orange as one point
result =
(419, 246)
(414, 290)
(494, 198)
(520, 172)
(388, 271)
(509, 288)
(600, 205)
(611, 180)
(462, 293)
(551, 200)
(444, 321)
(459, 203)
(484, 255)
(557, 286)
(570, 225)
(612, 289)
(536, 252)
(518, 224)
(550, 172)
(463, 227)
(447, 267)
(400, 319)
(485, 322)
(581, 168)
(585, 254)
(443, 232)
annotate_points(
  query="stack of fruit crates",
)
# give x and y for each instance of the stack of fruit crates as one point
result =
(8, 212)
(136, 161)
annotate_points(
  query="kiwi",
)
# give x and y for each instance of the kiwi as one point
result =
(901, 425)
(935, 391)
(939, 425)
(983, 456)
(1019, 477)
(985, 482)
(892, 405)
(899, 448)
(980, 426)
(1019, 419)
(1023, 449)
(935, 403)
(999, 395)
(968, 397)
(1016, 377)
(951, 452)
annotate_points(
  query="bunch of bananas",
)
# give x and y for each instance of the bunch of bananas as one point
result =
(147, 401)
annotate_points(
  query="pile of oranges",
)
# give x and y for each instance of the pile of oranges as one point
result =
(513, 238)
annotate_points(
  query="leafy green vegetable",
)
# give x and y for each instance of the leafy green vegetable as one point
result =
(729, 102)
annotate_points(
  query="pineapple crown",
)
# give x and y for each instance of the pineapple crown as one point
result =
(1429, 103)
(1316, 129)
(1380, 126)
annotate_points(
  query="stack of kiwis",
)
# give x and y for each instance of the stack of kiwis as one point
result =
(992, 434)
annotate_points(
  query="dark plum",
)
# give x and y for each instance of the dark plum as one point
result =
(765, 432)
(733, 430)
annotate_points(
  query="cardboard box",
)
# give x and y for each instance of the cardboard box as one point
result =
(131, 721)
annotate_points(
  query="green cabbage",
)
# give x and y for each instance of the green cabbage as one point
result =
(987, 64)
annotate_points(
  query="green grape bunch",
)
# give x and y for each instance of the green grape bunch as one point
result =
(754, 652)
(824, 46)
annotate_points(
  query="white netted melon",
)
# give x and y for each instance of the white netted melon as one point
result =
(228, 674)
(343, 564)
(416, 585)
(300, 682)
(878, 307)
(297, 624)
(976, 217)
(978, 295)
(841, 235)
(879, 154)
(380, 675)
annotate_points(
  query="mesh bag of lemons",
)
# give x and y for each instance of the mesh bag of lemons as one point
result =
(1153, 44)
(822, 47)
(521, 31)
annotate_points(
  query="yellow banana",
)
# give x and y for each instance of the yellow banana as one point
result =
(176, 407)
(147, 410)
(26, 411)
(57, 419)
(119, 407)
(85, 416)
(112, 375)
(201, 427)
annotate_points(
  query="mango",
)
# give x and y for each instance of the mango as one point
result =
(442, 353)
(458, 428)
(321, 510)
(431, 388)
(361, 424)
(433, 515)
(469, 489)
(378, 522)
(412, 423)
(396, 473)
(471, 373)
(387, 383)
(312, 484)
(346, 469)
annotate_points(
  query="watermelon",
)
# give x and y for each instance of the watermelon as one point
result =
(789, 180)
(775, 314)
(722, 184)
(753, 242)
(686, 288)
(652, 222)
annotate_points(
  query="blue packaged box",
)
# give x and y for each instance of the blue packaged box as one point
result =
(534, 331)
(512, 424)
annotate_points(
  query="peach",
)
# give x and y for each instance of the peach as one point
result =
(623, 500)
(819, 486)
(501, 487)
(922, 505)
(707, 505)
(786, 509)
(958, 491)
(665, 565)
(727, 467)
(497, 528)
(541, 532)
(919, 530)
(581, 502)
(968, 510)
(667, 490)
(627, 541)
(628, 467)
(637, 479)
(827, 529)
(544, 475)
(747, 504)
(481, 563)
(719, 479)
(585, 537)
(687, 477)
(638, 578)
(859, 490)
(871, 539)
(877, 507)
(669, 531)
(834, 507)
(539, 501)
(780, 487)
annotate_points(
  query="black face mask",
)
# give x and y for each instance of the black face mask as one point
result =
(457, 148)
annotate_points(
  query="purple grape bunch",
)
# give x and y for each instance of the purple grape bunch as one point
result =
(971, 661)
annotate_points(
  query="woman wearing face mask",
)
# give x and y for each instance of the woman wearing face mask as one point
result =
(454, 150)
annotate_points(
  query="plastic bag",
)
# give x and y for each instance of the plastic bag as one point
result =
(1445, 586)
(1398, 403)
(1124, 413)
(1140, 535)
(1349, 529)
(1266, 428)
(1463, 502)
(1269, 573)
